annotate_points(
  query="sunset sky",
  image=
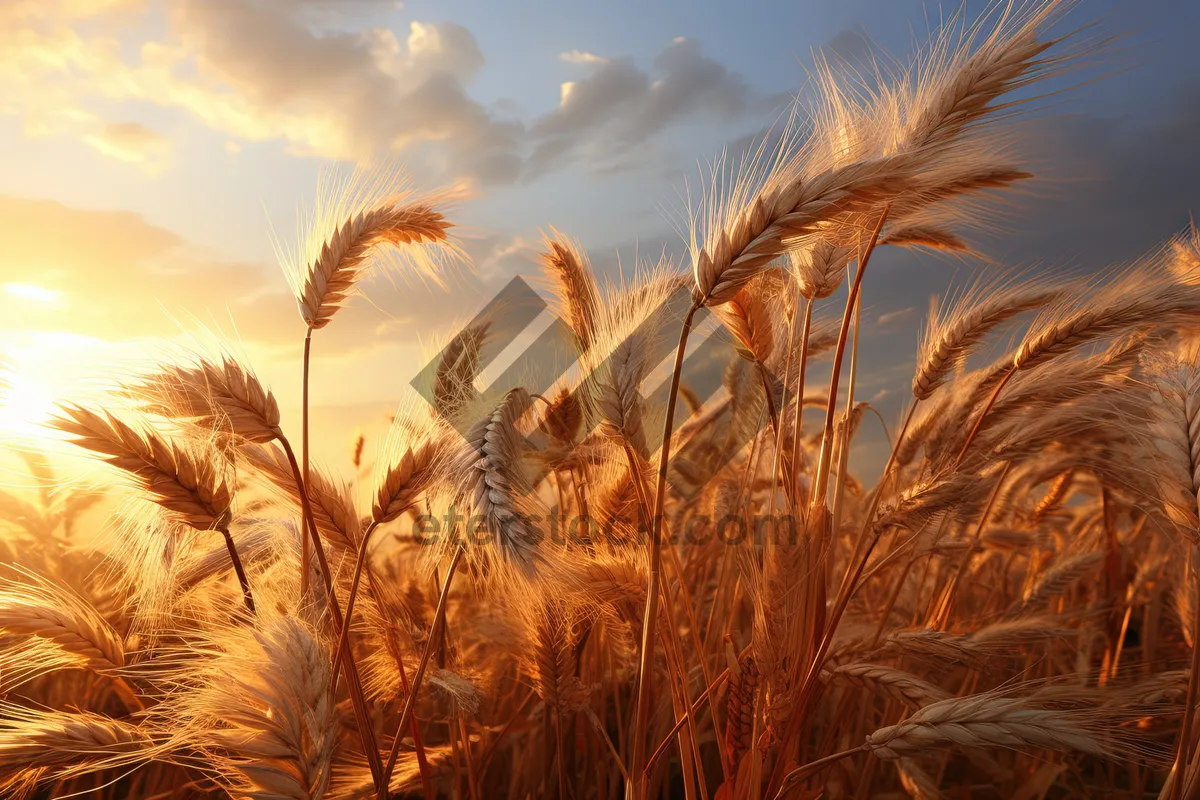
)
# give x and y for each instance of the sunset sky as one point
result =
(149, 148)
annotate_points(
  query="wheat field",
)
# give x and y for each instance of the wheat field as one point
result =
(579, 593)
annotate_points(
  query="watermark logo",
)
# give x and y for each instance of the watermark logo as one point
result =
(553, 353)
(700, 529)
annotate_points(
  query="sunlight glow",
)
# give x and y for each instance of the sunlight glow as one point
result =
(31, 291)
(25, 406)
(39, 369)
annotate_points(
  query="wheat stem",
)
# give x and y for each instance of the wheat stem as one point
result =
(491, 750)
(558, 745)
(344, 633)
(414, 727)
(799, 415)
(650, 617)
(675, 651)
(696, 706)
(1184, 747)
(410, 702)
(793, 778)
(825, 572)
(846, 590)
(237, 568)
(769, 395)
(305, 552)
(366, 729)
(986, 408)
(819, 500)
(943, 612)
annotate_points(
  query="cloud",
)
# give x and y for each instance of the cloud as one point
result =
(582, 57)
(257, 71)
(131, 142)
(892, 317)
(619, 105)
(850, 45)
(264, 74)
(65, 10)
(331, 80)
(116, 276)
(112, 273)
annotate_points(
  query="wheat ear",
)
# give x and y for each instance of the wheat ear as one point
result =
(267, 715)
(490, 466)
(570, 274)
(414, 463)
(343, 258)
(69, 743)
(453, 384)
(332, 506)
(993, 720)
(31, 605)
(215, 395)
(894, 683)
(173, 477)
(950, 337)
(820, 268)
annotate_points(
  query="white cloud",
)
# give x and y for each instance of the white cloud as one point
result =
(582, 57)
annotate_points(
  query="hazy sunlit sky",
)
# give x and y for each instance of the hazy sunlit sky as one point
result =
(147, 149)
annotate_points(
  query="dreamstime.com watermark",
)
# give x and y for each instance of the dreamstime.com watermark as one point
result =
(554, 353)
(452, 527)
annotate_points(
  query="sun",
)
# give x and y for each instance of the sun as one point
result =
(38, 369)
(25, 405)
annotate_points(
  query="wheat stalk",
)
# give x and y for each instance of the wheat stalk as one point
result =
(570, 274)
(33, 605)
(255, 546)
(66, 743)
(343, 258)
(489, 466)
(993, 720)
(171, 476)
(897, 684)
(951, 335)
(213, 394)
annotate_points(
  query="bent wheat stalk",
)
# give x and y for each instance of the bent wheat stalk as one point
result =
(439, 617)
(371, 216)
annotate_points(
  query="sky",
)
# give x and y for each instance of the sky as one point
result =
(153, 153)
